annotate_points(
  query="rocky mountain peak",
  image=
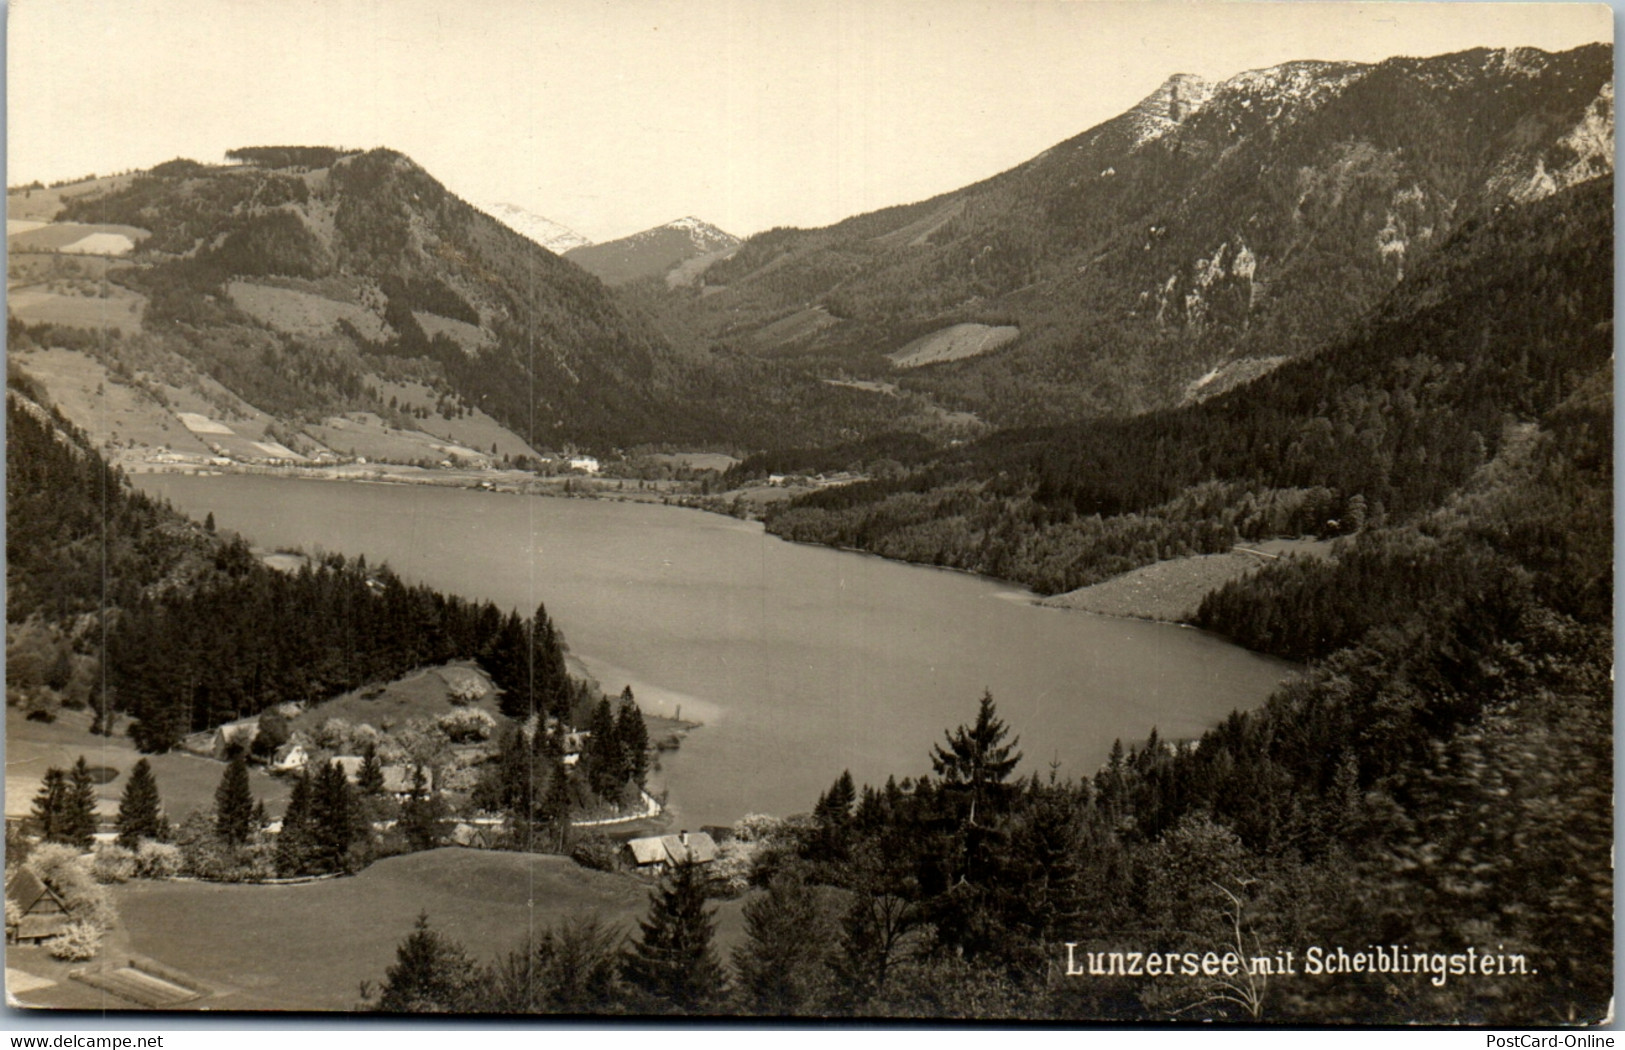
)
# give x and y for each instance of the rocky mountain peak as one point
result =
(1180, 96)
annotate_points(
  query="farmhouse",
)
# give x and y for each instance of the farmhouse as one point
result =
(233, 737)
(43, 913)
(655, 853)
(398, 779)
(290, 758)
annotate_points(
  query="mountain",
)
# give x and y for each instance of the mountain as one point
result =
(680, 251)
(1212, 230)
(1505, 331)
(555, 237)
(307, 292)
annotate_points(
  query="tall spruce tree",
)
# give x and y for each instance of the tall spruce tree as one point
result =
(633, 735)
(557, 803)
(977, 761)
(79, 807)
(370, 781)
(673, 962)
(421, 813)
(50, 805)
(606, 769)
(295, 844)
(234, 803)
(139, 810)
(334, 818)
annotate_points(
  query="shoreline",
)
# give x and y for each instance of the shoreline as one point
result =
(1105, 598)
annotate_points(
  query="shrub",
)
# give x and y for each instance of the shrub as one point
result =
(206, 855)
(78, 942)
(463, 687)
(332, 734)
(467, 725)
(14, 914)
(595, 852)
(113, 864)
(736, 862)
(157, 860)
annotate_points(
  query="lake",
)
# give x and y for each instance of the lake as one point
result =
(799, 661)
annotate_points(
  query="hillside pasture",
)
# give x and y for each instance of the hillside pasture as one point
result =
(186, 783)
(472, 338)
(1171, 590)
(109, 410)
(120, 308)
(302, 313)
(308, 947)
(368, 435)
(423, 694)
(474, 429)
(42, 205)
(953, 344)
(89, 238)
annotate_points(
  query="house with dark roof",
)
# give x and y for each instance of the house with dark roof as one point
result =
(657, 852)
(43, 912)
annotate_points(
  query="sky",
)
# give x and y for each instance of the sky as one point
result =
(612, 117)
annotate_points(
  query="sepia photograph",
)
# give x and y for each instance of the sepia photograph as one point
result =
(677, 511)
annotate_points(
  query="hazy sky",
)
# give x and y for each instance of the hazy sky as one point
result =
(614, 116)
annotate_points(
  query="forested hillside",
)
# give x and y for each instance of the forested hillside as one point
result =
(1415, 830)
(1203, 236)
(1504, 324)
(298, 278)
(121, 604)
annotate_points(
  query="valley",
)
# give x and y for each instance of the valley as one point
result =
(1264, 431)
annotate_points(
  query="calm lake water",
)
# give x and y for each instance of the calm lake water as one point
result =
(800, 661)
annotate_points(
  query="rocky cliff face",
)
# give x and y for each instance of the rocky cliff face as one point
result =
(1245, 220)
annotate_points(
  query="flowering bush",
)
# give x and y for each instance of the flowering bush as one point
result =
(113, 864)
(463, 686)
(78, 942)
(467, 725)
(157, 860)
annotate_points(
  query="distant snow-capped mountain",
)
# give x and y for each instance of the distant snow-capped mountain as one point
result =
(654, 252)
(553, 236)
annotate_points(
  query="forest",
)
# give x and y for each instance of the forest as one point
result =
(1504, 324)
(182, 597)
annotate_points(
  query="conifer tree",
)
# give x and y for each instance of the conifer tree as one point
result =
(79, 807)
(672, 961)
(420, 814)
(234, 803)
(431, 975)
(606, 771)
(782, 964)
(633, 736)
(334, 817)
(50, 803)
(976, 759)
(139, 814)
(510, 666)
(557, 803)
(370, 780)
(295, 845)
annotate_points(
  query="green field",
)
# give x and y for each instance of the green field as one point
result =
(307, 947)
(185, 782)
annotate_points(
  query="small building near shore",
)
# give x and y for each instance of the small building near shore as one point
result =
(656, 853)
